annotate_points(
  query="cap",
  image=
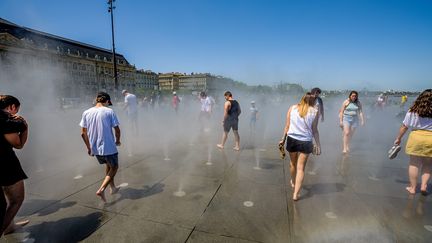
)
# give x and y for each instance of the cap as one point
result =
(103, 97)
(174, 93)
(253, 102)
(124, 91)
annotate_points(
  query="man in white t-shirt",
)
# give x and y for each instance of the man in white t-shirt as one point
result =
(97, 124)
(131, 107)
(206, 110)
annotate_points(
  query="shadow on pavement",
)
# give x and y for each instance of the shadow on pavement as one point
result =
(134, 194)
(65, 230)
(322, 188)
(33, 206)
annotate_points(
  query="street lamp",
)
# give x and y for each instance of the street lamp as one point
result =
(111, 10)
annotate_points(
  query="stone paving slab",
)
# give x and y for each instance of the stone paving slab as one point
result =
(124, 229)
(198, 237)
(57, 223)
(240, 197)
(265, 220)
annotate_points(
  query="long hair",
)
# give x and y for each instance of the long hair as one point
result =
(356, 93)
(423, 104)
(8, 100)
(306, 101)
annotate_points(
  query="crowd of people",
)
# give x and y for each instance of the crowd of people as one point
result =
(101, 135)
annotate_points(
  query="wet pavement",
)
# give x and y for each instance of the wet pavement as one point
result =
(194, 192)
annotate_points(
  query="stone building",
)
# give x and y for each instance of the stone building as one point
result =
(77, 69)
(146, 80)
(194, 82)
(169, 81)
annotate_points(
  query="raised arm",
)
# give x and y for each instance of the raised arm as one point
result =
(17, 140)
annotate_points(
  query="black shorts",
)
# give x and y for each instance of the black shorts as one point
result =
(294, 145)
(228, 124)
(11, 171)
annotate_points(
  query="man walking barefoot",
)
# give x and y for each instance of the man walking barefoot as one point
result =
(96, 131)
(231, 113)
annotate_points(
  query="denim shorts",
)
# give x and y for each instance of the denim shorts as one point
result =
(111, 160)
(351, 121)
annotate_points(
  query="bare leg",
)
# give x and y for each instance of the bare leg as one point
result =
(346, 134)
(3, 205)
(413, 170)
(293, 167)
(352, 130)
(15, 197)
(224, 138)
(237, 140)
(301, 163)
(110, 173)
(426, 173)
(113, 188)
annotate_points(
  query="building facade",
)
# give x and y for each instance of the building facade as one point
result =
(77, 69)
(169, 81)
(146, 80)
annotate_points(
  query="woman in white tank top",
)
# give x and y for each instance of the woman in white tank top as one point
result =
(300, 130)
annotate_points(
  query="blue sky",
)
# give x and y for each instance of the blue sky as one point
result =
(336, 44)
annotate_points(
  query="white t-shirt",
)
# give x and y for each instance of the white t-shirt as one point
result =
(253, 112)
(301, 128)
(206, 104)
(414, 121)
(131, 104)
(99, 122)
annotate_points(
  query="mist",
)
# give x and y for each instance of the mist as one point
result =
(55, 145)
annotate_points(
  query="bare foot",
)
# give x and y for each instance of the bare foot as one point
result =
(15, 226)
(292, 184)
(296, 197)
(114, 191)
(423, 190)
(410, 190)
(236, 148)
(101, 194)
(220, 146)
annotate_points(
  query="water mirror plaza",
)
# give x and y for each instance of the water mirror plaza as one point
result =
(161, 121)
(177, 186)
